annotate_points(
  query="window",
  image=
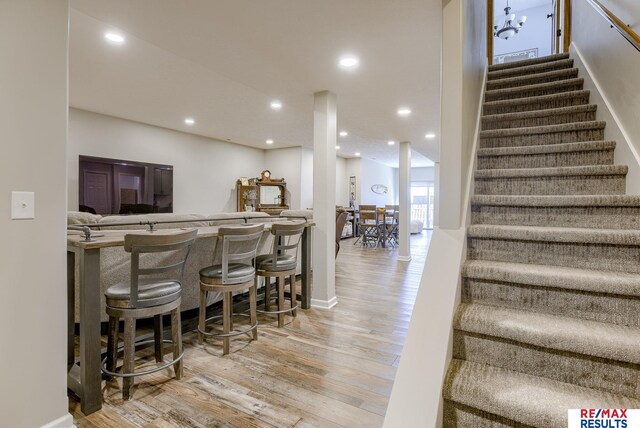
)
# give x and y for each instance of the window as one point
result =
(422, 198)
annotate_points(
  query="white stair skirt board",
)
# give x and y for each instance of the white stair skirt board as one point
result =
(65, 421)
(324, 304)
(404, 258)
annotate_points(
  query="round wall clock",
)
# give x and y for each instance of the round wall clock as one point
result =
(380, 189)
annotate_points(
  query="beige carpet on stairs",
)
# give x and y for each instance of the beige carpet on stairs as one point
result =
(550, 313)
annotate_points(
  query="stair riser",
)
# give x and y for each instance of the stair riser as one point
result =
(457, 415)
(547, 160)
(574, 185)
(574, 136)
(522, 71)
(533, 92)
(588, 217)
(581, 370)
(621, 310)
(536, 105)
(533, 80)
(585, 256)
(557, 119)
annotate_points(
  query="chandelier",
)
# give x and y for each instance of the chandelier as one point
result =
(510, 27)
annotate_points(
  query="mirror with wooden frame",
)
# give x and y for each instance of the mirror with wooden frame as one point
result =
(264, 194)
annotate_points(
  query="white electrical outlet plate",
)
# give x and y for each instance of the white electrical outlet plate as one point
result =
(23, 205)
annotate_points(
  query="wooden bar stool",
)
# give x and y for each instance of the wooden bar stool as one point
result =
(237, 247)
(145, 297)
(281, 263)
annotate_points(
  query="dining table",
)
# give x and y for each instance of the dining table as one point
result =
(84, 376)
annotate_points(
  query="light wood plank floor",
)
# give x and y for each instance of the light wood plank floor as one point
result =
(325, 368)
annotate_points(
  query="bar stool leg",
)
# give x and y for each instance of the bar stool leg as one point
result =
(280, 285)
(267, 293)
(292, 289)
(202, 315)
(112, 345)
(253, 315)
(129, 356)
(176, 338)
(158, 336)
(226, 317)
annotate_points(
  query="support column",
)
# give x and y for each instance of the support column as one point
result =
(404, 228)
(324, 200)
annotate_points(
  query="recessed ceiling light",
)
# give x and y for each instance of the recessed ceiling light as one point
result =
(357, 153)
(430, 136)
(391, 143)
(189, 121)
(114, 38)
(349, 61)
(404, 111)
(343, 133)
(337, 147)
(269, 141)
(276, 105)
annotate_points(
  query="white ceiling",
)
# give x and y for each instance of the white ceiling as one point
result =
(222, 62)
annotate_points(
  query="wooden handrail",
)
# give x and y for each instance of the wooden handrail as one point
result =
(622, 28)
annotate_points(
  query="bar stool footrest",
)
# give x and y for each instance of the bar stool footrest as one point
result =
(233, 333)
(155, 369)
(284, 311)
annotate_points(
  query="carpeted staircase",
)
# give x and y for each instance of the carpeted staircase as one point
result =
(550, 312)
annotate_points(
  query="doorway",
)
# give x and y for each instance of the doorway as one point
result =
(545, 31)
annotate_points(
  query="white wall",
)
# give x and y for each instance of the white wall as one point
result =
(342, 182)
(368, 173)
(536, 32)
(306, 178)
(627, 10)
(33, 124)
(423, 174)
(354, 169)
(205, 170)
(613, 65)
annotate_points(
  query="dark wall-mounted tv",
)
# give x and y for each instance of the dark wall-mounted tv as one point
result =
(114, 186)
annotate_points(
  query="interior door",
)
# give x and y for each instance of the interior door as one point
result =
(97, 194)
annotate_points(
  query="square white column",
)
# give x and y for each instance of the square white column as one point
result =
(404, 184)
(324, 200)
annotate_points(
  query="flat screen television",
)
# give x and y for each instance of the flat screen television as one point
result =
(115, 186)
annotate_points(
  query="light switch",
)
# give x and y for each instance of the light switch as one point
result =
(23, 205)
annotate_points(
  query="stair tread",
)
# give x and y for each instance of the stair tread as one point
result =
(530, 69)
(558, 200)
(577, 335)
(536, 86)
(624, 237)
(547, 148)
(584, 108)
(544, 129)
(534, 76)
(562, 171)
(538, 98)
(527, 399)
(526, 62)
(597, 281)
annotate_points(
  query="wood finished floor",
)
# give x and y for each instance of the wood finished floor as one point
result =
(325, 368)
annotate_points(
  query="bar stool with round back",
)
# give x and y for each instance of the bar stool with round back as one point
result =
(151, 292)
(281, 263)
(237, 247)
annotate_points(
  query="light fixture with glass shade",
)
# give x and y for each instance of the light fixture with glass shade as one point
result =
(510, 26)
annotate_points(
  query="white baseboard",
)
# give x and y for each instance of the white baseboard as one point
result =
(65, 421)
(324, 304)
(404, 258)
